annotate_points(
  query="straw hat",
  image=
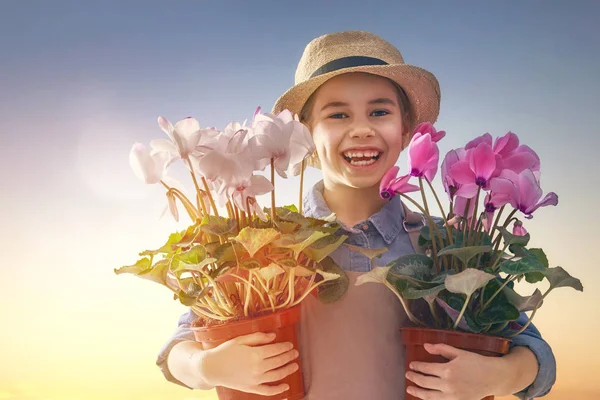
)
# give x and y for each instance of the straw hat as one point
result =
(356, 51)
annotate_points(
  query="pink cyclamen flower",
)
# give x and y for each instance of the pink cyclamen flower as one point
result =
(427, 127)
(423, 156)
(524, 191)
(511, 155)
(518, 229)
(390, 185)
(149, 166)
(451, 158)
(485, 138)
(474, 172)
(460, 206)
(184, 137)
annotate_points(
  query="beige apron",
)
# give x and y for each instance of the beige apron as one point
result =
(351, 349)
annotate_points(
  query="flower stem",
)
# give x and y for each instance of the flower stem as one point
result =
(437, 199)
(489, 301)
(198, 191)
(474, 218)
(301, 186)
(499, 237)
(210, 198)
(430, 221)
(189, 206)
(462, 312)
(273, 192)
(409, 314)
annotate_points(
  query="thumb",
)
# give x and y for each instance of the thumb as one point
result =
(443, 350)
(255, 339)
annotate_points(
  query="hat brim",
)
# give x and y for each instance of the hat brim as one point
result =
(420, 85)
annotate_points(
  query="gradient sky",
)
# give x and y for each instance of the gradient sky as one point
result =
(80, 82)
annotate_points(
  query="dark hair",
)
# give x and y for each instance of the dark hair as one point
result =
(403, 102)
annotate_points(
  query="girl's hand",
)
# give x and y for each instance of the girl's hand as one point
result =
(467, 376)
(248, 363)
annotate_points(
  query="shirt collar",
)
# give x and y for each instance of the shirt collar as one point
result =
(387, 221)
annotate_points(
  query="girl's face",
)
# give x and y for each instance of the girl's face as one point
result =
(356, 123)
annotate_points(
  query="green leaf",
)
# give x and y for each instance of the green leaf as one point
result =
(141, 265)
(464, 253)
(534, 277)
(324, 247)
(375, 275)
(217, 225)
(523, 304)
(416, 268)
(467, 281)
(299, 247)
(498, 311)
(189, 236)
(454, 313)
(167, 248)
(510, 239)
(287, 227)
(288, 215)
(413, 294)
(254, 239)
(194, 255)
(227, 252)
(558, 277)
(522, 266)
(369, 253)
(271, 271)
(456, 302)
(158, 272)
(292, 208)
(183, 266)
(541, 256)
(332, 290)
(251, 263)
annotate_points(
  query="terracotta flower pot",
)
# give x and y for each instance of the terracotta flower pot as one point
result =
(284, 323)
(414, 338)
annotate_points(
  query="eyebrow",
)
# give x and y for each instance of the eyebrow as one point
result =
(381, 100)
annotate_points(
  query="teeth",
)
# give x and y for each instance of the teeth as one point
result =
(355, 154)
(368, 162)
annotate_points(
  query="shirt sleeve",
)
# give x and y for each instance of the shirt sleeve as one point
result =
(182, 333)
(532, 339)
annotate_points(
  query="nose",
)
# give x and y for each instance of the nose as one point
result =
(361, 130)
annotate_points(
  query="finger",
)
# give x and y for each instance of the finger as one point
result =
(424, 381)
(280, 360)
(275, 349)
(443, 350)
(280, 373)
(424, 394)
(434, 369)
(267, 390)
(255, 339)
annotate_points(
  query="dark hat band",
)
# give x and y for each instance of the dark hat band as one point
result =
(347, 62)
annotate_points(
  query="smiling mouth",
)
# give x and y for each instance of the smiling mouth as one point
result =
(361, 158)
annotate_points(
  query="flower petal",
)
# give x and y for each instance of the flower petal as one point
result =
(462, 173)
(485, 138)
(388, 177)
(529, 189)
(506, 144)
(483, 161)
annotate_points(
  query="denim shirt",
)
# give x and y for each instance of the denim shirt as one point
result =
(384, 229)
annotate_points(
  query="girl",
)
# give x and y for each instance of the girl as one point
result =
(361, 103)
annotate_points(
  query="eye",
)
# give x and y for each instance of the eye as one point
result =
(379, 113)
(338, 116)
